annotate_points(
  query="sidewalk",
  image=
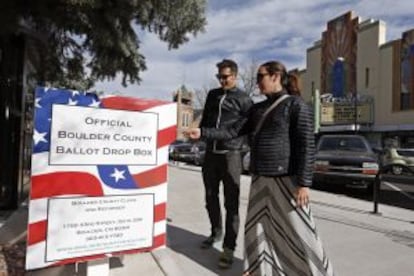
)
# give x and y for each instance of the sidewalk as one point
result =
(357, 241)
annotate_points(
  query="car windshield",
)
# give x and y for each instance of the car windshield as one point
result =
(343, 144)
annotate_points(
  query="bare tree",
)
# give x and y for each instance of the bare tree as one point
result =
(247, 76)
(201, 95)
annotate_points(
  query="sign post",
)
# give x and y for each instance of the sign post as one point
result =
(98, 267)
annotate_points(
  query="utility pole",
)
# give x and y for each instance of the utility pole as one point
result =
(355, 111)
(316, 110)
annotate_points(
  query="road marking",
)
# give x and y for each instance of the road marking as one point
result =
(398, 190)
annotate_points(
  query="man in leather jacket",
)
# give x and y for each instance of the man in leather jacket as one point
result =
(224, 106)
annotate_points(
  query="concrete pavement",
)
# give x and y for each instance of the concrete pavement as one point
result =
(357, 241)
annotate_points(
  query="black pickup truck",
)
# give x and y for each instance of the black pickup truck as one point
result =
(345, 160)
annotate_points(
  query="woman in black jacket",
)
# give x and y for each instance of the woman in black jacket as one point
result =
(280, 233)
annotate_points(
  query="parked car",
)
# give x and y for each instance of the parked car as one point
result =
(398, 161)
(182, 152)
(199, 150)
(172, 146)
(345, 159)
(189, 152)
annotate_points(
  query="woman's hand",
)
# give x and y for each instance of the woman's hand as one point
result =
(302, 196)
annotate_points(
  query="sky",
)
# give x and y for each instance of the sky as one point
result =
(247, 30)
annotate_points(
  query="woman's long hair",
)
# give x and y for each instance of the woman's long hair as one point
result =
(289, 81)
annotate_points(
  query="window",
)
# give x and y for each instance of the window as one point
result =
(366, 77)
(185, 121)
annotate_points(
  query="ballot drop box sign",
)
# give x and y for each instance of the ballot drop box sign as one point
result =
(99, 176)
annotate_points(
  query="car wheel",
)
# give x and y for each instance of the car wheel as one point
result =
(397, 170)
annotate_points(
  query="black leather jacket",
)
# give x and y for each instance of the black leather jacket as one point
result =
(285, 144)
(222, 109)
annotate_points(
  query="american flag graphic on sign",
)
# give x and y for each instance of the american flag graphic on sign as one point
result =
(98, 179)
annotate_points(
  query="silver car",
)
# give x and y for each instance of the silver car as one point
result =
(398, 160)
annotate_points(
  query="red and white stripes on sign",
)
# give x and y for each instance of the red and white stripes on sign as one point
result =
(152, 179)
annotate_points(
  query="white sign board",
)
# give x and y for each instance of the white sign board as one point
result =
(98, 136)
(83, 226)
(99, 176)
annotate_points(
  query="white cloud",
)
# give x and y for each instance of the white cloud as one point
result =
(253, 29)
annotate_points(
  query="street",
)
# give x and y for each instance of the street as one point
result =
(399, 193)
(395, 191)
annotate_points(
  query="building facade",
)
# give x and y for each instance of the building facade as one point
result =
(365, 83)
(185, 110)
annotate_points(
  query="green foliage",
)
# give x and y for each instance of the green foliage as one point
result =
(77, 42)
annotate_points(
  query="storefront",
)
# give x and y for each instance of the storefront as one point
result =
(337, 116)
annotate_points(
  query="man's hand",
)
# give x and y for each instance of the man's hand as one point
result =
(302, 196)
(193, 133)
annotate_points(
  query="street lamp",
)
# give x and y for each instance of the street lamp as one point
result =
(355, 111)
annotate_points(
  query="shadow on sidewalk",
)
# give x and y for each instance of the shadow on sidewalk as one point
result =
(188, 244)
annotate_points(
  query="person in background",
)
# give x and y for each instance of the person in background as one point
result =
(280, 233)
(224, 106)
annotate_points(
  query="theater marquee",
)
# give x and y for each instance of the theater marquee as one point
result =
(340, 113)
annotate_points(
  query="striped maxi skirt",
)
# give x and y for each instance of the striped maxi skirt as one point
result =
(281, 239)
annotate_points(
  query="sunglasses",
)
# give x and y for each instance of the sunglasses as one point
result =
(222, 77)
(260, 76)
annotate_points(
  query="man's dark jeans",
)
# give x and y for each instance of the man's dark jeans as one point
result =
(224, 167)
